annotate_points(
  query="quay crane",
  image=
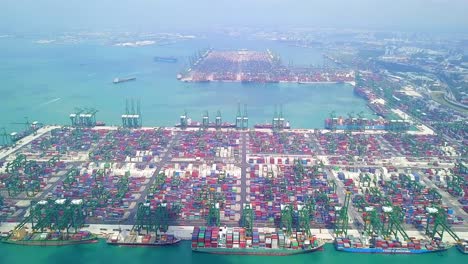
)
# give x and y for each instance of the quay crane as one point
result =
(342, 221)
(247, 219)
(132, 117)
(437, 224)
(286, 218)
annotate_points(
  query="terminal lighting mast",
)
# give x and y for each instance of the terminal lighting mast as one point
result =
(218, 120)
(245, 118)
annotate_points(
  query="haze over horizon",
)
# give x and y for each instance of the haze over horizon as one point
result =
(446, 16)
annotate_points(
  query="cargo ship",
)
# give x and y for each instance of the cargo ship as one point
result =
(121, 80)
(270, 126)
(165, 59)
(267, 242)
(21, 237)
(147, 240)
(463, 246)
(377, 245)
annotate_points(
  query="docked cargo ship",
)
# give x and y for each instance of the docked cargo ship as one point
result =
(121, 80)
(21, 237)
(382, 246)
(463, 247)
(234, 241)
(270, 126)
(147, 240)
(165, 59)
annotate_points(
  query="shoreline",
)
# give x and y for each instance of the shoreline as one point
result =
(185, 232)
(189, 80)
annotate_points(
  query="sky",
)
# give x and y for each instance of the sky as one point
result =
(394, 15)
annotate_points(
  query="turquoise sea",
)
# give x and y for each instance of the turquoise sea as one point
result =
(101, 253)
(45, 82)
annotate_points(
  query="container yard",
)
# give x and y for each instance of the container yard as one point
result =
(284, 182)
(249, 66)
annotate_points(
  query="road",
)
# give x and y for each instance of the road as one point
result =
(243, 186)
(353, 214)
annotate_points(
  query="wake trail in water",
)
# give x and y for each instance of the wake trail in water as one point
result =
(50, 102)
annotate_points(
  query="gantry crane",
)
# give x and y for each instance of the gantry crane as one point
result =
(161, 217)
(78, 214)
(144, 219)
(5, 138)
(247, 219)
(213, 216)
(393, 217)
(304, 212)
(239, 117)
(218, 120)
(342, 218)
(70, 178)
(286, 218)
(437, 224)
(299, 170)
(205, 120)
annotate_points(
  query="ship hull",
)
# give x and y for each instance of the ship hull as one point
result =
(159, 244)
(255, 251)
(462, 250)
(51, 242)
(389, 250)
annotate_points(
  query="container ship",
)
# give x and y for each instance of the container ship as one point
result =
(121, 80)
(287, 125)
(21, 237)
(377, 245)
(147, 240)
(234, 241)
(165, 59)
(463, 247)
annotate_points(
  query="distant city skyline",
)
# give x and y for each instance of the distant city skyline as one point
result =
(392, 15)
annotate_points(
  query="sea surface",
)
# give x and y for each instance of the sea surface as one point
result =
(101, 253)
(45, 78)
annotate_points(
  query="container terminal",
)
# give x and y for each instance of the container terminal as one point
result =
(248, 66)
(391, 190)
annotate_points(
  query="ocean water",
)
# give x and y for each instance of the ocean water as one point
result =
(101, 253)
(45, 82)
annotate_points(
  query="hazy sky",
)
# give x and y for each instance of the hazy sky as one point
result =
(412, 15)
